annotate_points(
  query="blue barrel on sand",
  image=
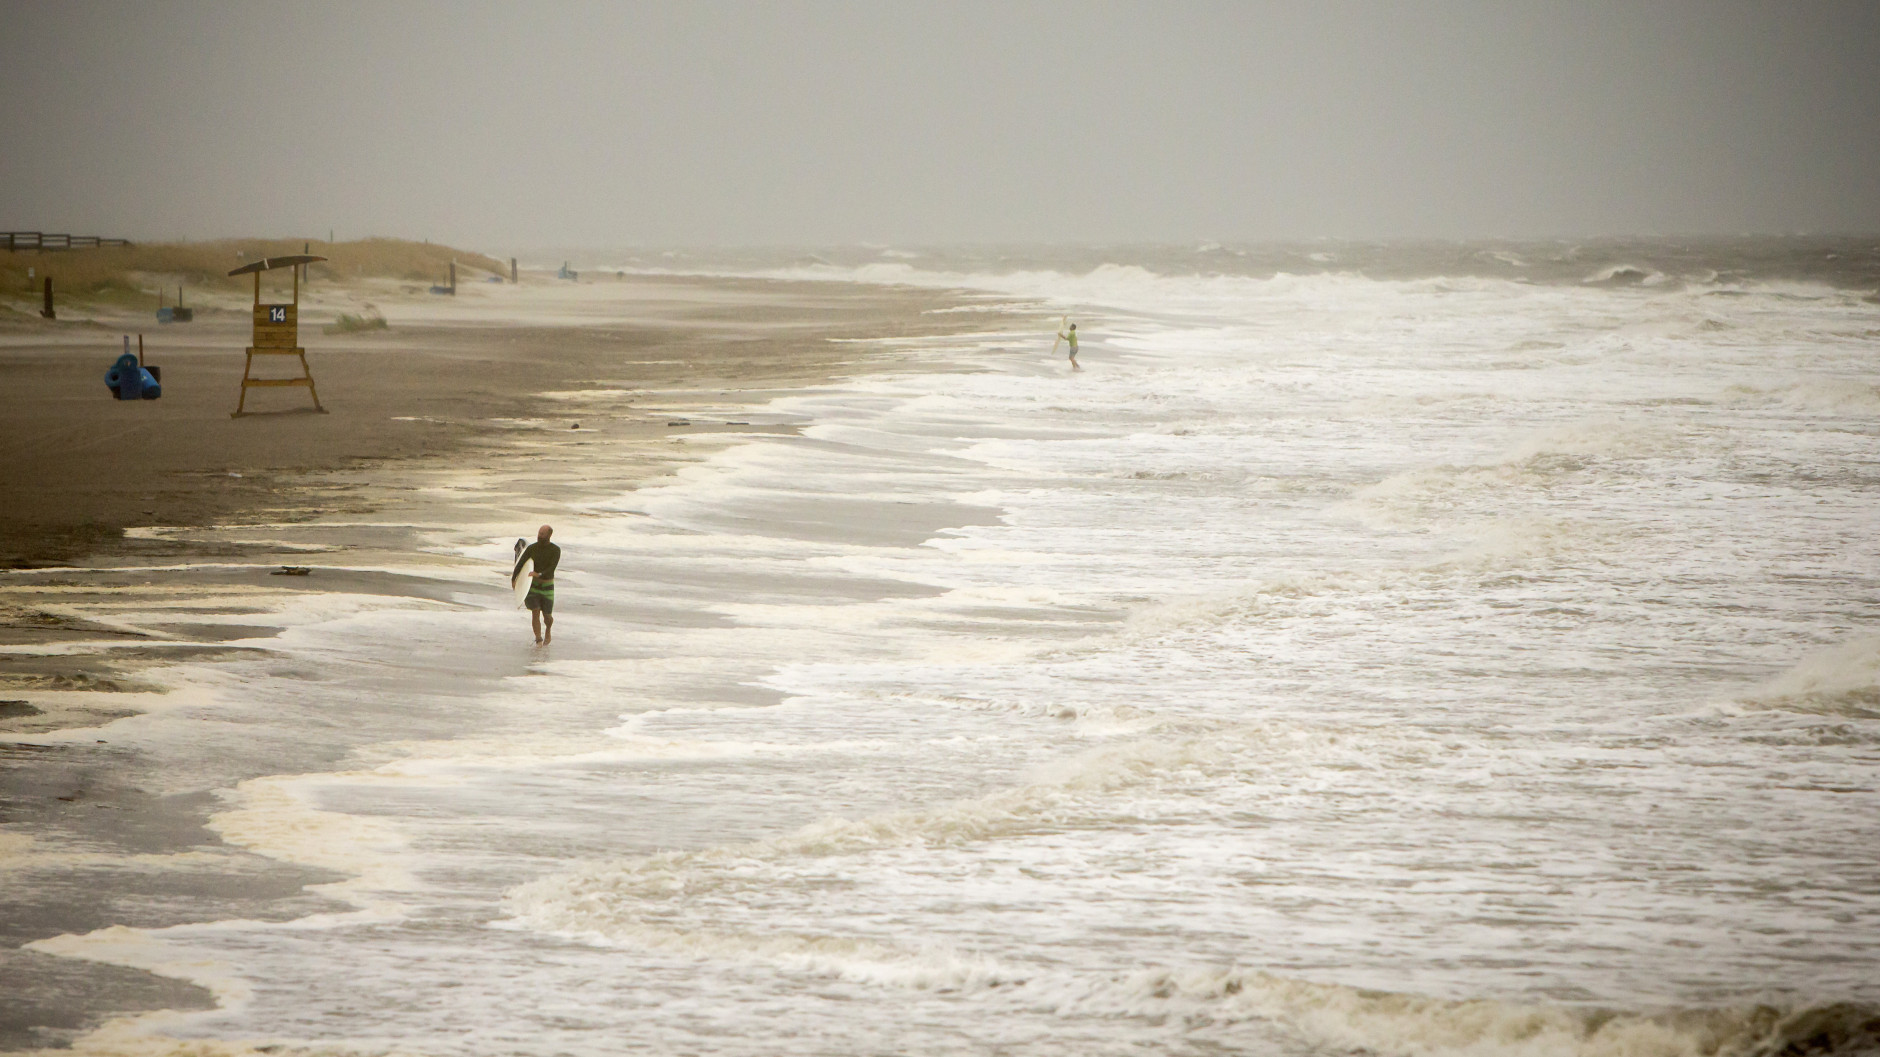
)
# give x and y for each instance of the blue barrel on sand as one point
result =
(128, 381)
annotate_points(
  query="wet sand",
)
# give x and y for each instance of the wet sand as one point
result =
(138, 535)
(77, 467)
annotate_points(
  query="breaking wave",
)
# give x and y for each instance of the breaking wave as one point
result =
(1625, 275)
(1841, 681)
(1413, 1025)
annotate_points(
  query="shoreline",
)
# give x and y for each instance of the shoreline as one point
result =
(81, 468)
(656, 372)
(1226, 629)
(88, 629)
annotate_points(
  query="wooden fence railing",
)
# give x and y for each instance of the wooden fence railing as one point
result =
(40, 240)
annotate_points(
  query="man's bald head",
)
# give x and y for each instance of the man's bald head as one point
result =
(544, 532)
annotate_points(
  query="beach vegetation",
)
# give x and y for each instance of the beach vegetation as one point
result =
(348, 323)
(128, 274)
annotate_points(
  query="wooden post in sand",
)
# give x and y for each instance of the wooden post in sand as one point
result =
(512, 269)
(277, 332)
(47, 311)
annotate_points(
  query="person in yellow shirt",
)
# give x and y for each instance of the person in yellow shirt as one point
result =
(1070, 338)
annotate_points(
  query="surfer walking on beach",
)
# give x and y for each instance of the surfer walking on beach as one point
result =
(1070, 338)
(541, 597)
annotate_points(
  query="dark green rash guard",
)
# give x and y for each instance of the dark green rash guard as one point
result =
(546, 556)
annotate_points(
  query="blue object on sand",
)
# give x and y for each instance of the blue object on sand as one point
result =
(128, 381)
(126, 378)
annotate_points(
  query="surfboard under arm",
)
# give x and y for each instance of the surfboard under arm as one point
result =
(519, 579)
(1060, 335)
(521, 582)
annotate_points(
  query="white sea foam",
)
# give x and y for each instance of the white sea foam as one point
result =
(276, 818)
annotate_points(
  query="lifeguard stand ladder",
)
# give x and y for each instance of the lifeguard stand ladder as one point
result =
(277, 332)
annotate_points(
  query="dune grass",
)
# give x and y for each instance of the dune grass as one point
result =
(347, 323)
(136, 273)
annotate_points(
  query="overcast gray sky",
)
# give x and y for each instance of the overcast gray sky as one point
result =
(519, 125)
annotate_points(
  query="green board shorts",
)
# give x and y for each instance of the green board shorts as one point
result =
(542, 598)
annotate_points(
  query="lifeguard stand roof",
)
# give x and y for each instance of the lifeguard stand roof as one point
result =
(268, 264)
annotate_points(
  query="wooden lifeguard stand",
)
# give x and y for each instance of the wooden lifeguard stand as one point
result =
(277, 331)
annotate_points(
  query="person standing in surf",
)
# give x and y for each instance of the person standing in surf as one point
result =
(541, 597)
(1070, 338)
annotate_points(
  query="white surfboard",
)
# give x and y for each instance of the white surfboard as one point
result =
(521, 582)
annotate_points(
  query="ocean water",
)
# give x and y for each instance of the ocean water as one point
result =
(1383, 650)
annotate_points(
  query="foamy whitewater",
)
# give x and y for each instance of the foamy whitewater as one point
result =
(1476, 663)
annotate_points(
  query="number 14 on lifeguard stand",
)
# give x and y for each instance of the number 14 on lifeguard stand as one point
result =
(277, 332)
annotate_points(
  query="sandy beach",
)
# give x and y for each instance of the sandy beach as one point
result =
(143, 536)
(80, 467)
